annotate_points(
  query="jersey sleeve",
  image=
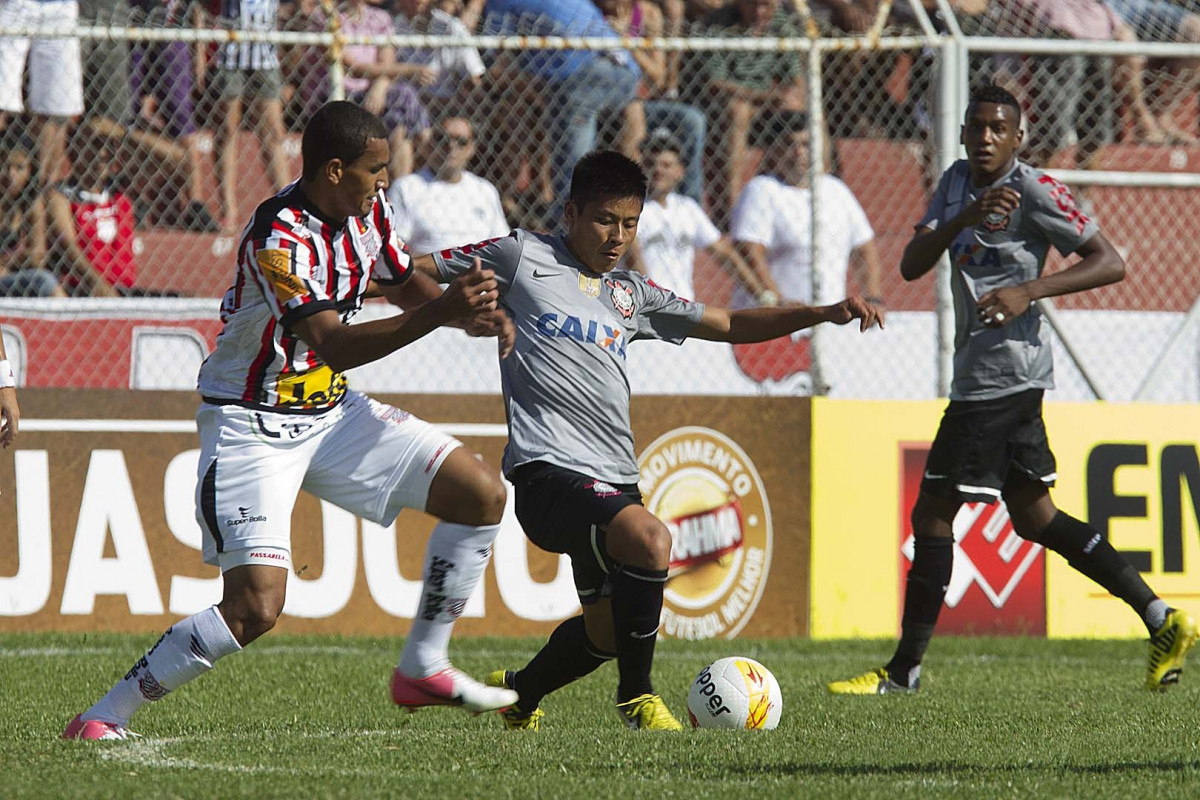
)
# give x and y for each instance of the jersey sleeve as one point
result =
(705, 233)
(662, 314)
(394, 265)
(937, 205)
(1048, 207)
(282, 265)
(502, 255)
(753, 217)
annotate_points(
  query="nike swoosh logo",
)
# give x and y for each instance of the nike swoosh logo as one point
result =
(933, 477)
(537, 274)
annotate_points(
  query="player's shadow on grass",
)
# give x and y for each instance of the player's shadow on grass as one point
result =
(951, 768)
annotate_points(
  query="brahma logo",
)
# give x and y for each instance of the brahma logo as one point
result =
(707, 491)
(998, 582)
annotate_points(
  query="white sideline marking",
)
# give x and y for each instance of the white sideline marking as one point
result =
(485, 429)
(150, 753)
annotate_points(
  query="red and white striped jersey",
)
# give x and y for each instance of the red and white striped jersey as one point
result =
(293, 262)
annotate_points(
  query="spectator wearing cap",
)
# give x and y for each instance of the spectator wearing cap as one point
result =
(772, 225)
(443, 205)
(673, 227)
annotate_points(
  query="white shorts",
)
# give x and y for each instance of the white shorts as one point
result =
(55, 70)
(366, 457)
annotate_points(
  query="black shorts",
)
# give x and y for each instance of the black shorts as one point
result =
(980, 442)
(564, 511)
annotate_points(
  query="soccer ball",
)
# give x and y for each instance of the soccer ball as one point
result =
(735, 692)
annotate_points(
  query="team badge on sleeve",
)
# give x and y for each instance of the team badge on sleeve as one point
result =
(622, 298)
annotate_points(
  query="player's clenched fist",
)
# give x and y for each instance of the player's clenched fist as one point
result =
(473, 292)
(1000, 200)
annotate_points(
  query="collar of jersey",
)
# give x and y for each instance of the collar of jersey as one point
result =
(311, 208)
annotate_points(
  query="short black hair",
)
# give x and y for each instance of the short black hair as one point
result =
(338, 130)
(606, 173)
(991, 93)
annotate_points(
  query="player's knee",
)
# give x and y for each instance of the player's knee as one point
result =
(490, 498)
(251, 615)
(654, 544)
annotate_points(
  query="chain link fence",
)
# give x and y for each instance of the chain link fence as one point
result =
(138, 140)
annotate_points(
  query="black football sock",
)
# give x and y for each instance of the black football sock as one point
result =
(928, 578)
(1086, 549)
(637, 598)
(566, 657)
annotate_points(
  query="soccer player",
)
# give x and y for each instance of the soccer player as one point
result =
(999, 217)
(277, 416)
(570, 450)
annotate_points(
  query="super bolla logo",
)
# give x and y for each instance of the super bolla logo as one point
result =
(707, 491)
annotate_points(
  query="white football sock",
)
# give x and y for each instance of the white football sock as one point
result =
(186, 651)
(1156, 614)
(455, 560)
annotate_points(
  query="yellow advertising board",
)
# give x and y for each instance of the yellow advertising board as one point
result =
(1130, 470)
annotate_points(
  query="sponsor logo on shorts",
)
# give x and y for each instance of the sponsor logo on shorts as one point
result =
(272, 556)
(704, 487)
(246, 517)
(603, 489)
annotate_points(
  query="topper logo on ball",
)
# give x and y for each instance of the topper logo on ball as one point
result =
(705, 488)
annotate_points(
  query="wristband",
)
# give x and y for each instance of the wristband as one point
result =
(7, 379)
(873, 299)
(768, 298)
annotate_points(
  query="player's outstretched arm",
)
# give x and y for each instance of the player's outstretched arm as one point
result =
(760, 324)
(927, 245)
(343, 346)
(1100, 264)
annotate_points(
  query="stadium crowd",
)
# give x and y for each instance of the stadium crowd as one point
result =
(103, 138)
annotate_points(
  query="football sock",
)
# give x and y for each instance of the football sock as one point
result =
(455, 560)
(928, 579)
(637, 599)
(1086, 549)
(566, 657)
(1156, 614)
(186, 651)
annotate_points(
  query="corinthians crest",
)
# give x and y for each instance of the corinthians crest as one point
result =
(622, 297)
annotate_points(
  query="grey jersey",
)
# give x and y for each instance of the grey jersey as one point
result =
(1004, 251)
(565, 383)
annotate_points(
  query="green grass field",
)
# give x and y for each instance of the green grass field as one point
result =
(309, 717)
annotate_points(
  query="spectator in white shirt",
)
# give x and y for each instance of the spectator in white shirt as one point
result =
(443, 205)
(772, 225)
(673, 226)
